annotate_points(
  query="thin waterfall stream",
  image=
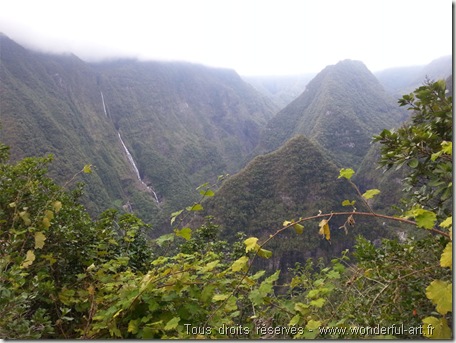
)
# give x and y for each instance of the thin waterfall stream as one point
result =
(132, 162)
(130, 157)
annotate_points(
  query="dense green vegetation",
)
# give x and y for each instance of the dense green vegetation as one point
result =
(182, 123)
(65, 275)
(340, 110)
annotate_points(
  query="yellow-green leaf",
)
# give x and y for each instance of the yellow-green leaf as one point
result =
(298, 228)
(250, 243)
(318, 303)
(295, 320)
(25, 217)
(185, 233)
(425, 218)
(446, 260)
(324, 229)
(239, 263)
(57, 206)
(447, 147)
(210, 266)
(172, 324)
(264, 253)
(39, 240)
(346, 173)
(46, 222)
(49, 214)
(87, 168)
(440, 293)
(28, 259)
(133, 326)
(369, 194)
(436, 328)
(286, 223)
(348, 203)
(196, 207)
(302, 308)
(220, 297)
(447, 222)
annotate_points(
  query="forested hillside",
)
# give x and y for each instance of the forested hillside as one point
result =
(336, 220)
(340, 110)
(182, 124)
(68, 276)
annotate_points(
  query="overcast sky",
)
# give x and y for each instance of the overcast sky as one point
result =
(254, 37)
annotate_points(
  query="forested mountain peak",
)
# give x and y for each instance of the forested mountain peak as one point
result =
(340, 109)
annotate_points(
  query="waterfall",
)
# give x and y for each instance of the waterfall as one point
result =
(130, 158)
(104, 106)
(132, 162)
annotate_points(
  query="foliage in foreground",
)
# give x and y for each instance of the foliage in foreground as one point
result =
(64, 275)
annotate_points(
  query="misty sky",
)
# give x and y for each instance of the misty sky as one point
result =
(254, 37)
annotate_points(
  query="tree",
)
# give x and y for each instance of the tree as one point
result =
(424, 144)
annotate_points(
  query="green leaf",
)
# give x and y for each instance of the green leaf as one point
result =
(164, 238)
(436, 328)
(239, 264)
(250, 243)
(346, 173)
(447, 222)
(25, 216)
(133, 326)
(413, 163)
(348, 203)
(46, 222)
(220, 297)
(313, 293)
(369, 194)
(211, 265)
(446, 260)
(425, 218)
(447, 147)
(333, 275)
(28, 259)
(172, 324)
(87, 168)
(302, 308)
(57, 206)
(207, 193)
(174, 215)
(295, 320)
(299, 228)
(440, 293)
(318, 303)
(185, 233)
(39, 240)
(264, 253)
(196, 207)
(324, 229)
(266, 286)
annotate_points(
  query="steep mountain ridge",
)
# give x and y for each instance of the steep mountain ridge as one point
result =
(181, 123)
(296, 180)
(341, 108)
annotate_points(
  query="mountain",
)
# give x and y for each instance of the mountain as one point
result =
(297, 180)
(402, 80)
(153, 131)
(280, 89)
(341, 108)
